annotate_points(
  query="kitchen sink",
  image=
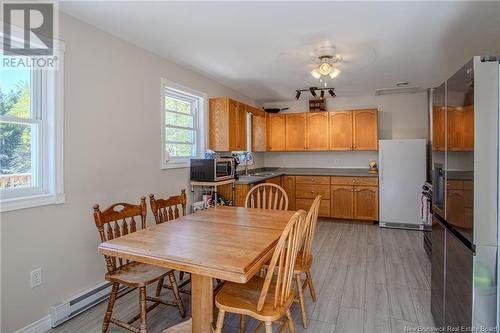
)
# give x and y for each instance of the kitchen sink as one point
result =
(263, 174)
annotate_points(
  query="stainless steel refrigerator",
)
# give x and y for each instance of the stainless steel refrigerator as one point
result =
(465, 153)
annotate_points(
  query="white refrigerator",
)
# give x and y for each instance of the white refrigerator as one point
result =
(402, 172)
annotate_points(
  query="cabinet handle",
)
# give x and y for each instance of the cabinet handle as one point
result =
(354, 180)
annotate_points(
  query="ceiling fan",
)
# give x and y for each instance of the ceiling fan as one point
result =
(327, 67)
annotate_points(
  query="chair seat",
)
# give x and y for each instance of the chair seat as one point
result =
(301, 265)
(243, 299)
(137, 274)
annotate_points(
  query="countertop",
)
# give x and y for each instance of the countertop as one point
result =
(276, 172)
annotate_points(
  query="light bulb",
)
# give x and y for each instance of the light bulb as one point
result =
(335, 72)
(315, 73)
(325, 68)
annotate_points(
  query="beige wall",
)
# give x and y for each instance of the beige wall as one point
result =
(400, 117)
(112, 153)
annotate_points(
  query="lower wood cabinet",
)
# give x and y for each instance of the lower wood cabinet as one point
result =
(289, 187)
(305, 204)
(275, 180)
(355, 198)
(342, 202)
(366, 203)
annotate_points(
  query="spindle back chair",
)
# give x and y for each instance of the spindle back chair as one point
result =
(168, 209)
(267, 196)
(305, 258)
(116, 221)
(275, 295)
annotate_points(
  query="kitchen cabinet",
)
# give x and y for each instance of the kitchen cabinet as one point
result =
(460, 128)
(354, 198)
(317, 131)
(366, 203)
(289, 187)
(342, 202)
(275, 132)
(365, 129)
(275, 180)
(312, 180)
(341, 130)
(438, 130)
(305, 204)
(459, 203)
(258, 133)
(295, 131)
(227, 124)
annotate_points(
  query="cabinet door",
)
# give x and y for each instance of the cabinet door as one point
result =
(341, 130)
(317, 131)
(218, 139)
(455, 128)
(275, 132)
(305, 204)
(468, 141)
(258, 133)
(233, 115)
(242, 127)
(295, 131)
(274, 180)
(342, 200)
(366, 203)
(289, 187)
(438, 130)
(455, 208)
(365, 129)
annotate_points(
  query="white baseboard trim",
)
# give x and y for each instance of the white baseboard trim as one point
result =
(39, 326)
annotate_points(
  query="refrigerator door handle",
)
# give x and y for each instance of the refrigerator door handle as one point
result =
(381, 165)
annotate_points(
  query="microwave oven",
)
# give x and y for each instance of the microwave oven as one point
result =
(212, 170)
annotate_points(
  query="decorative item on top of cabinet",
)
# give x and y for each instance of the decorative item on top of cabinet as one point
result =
(295, 131)
(317, 105)
(227, 124)
(275, 132)
(365, 129)
(341, 137)
(317, 131)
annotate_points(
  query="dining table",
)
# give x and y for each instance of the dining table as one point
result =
(226, 243)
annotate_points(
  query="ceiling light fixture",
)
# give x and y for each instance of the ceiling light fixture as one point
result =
(327, 67)
(313, 91)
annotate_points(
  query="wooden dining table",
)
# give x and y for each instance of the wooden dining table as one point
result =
(227, 243)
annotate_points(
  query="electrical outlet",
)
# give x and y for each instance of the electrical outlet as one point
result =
(36, 277)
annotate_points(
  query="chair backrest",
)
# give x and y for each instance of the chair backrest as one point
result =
(310, 226)
(168, 209)
(267, 196)
(283, 259)
(118, 220)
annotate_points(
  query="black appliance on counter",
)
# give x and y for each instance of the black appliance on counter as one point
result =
(213, 169)
(465, 117)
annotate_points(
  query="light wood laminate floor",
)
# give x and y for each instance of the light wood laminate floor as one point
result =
(368, 279)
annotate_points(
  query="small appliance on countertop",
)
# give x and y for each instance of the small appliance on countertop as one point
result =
(212, 169)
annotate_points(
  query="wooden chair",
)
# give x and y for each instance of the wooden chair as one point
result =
(305, 259)
(116, 221)
(267, 196)
(165, 210)
(267, 299)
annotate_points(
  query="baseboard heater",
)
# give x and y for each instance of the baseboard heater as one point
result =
(64, 311)
(404, 226)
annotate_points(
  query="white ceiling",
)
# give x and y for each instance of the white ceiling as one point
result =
(262, 49)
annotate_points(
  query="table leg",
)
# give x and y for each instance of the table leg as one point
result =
(202, 303)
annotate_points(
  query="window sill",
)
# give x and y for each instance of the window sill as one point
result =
(7, 205)
(175, 166)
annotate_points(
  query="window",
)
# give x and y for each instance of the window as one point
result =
(30, 137)
(183, 132)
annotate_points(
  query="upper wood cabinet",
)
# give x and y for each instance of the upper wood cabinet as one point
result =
(295, 131)
(227, 124)
(317, 131)
(275, 132)
(258, 132)
(460, 128)
(365, 129)
(341, 130)
(438, 130)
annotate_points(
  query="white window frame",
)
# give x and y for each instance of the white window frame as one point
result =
(49, 153)
(199, 126)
